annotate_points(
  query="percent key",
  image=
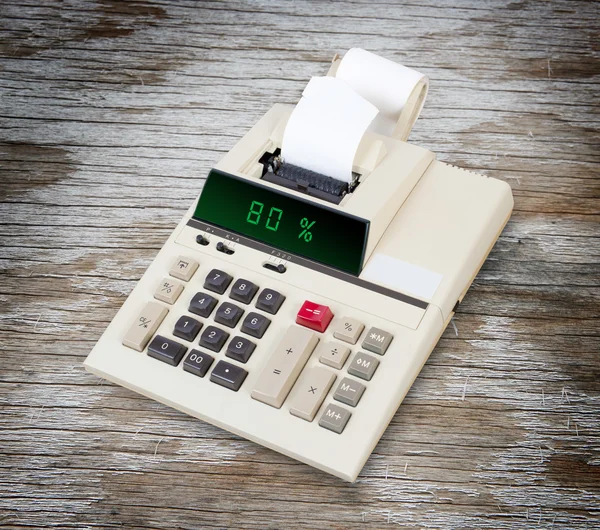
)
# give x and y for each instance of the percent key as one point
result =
(348, 330)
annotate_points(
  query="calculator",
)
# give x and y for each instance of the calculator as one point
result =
(298, 317)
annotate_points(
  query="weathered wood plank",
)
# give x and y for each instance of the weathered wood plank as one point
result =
(111, 114)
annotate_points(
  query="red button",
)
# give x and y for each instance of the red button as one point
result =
(314, 316)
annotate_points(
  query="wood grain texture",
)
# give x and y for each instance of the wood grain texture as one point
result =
(112, 113)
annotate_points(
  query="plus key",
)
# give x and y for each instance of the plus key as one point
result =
(314, 316)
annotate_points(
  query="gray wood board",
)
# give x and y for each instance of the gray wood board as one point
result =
(111, 115)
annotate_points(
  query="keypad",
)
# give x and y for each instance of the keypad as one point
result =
(285, 377)
(217, 281)
(213, 338)
(240, 349)
(202, 304)
(197, 363)
(269, 301)
(228, 375)
(228, 314)
(243, 291)
(255, 325)
(166, 350)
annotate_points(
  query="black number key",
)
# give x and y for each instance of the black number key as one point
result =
(243, 291)
(166, 350)
(240, 349)
(213, 338)
(202, 304)
(228, 314)
(269, 301)
(187, 328)
(255, 325)
(217, 281)
(197, 363)
(228, 375)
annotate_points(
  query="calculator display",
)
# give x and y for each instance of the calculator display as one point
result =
(289, 223)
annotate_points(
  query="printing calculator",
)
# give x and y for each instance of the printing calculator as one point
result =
(295, 311)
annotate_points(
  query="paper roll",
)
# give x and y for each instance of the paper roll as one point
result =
(388, 86)
(326, 127)
(328, 123)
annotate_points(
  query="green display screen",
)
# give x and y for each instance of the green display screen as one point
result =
(289, 223)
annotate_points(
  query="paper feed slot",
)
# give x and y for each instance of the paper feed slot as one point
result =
(304, 180)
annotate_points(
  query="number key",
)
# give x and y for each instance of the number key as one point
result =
(202, 304)
(217, 281)
(197, 363)
(255, 325)
(213, 338)
(269, 301)
(240, 349)
(187, 328)
(243, 291)
(228, 314)
(166, 350)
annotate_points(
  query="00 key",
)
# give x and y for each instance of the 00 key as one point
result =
(197, 363)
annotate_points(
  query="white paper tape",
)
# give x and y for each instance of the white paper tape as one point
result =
(402, 276)
(328, 123)
(386, 84)
(326, 127)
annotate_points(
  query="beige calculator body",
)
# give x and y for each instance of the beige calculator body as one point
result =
(323, 395)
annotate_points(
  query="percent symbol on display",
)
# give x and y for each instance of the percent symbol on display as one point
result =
(306, 226)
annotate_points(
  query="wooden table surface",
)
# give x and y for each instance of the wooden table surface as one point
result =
(111, 115)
